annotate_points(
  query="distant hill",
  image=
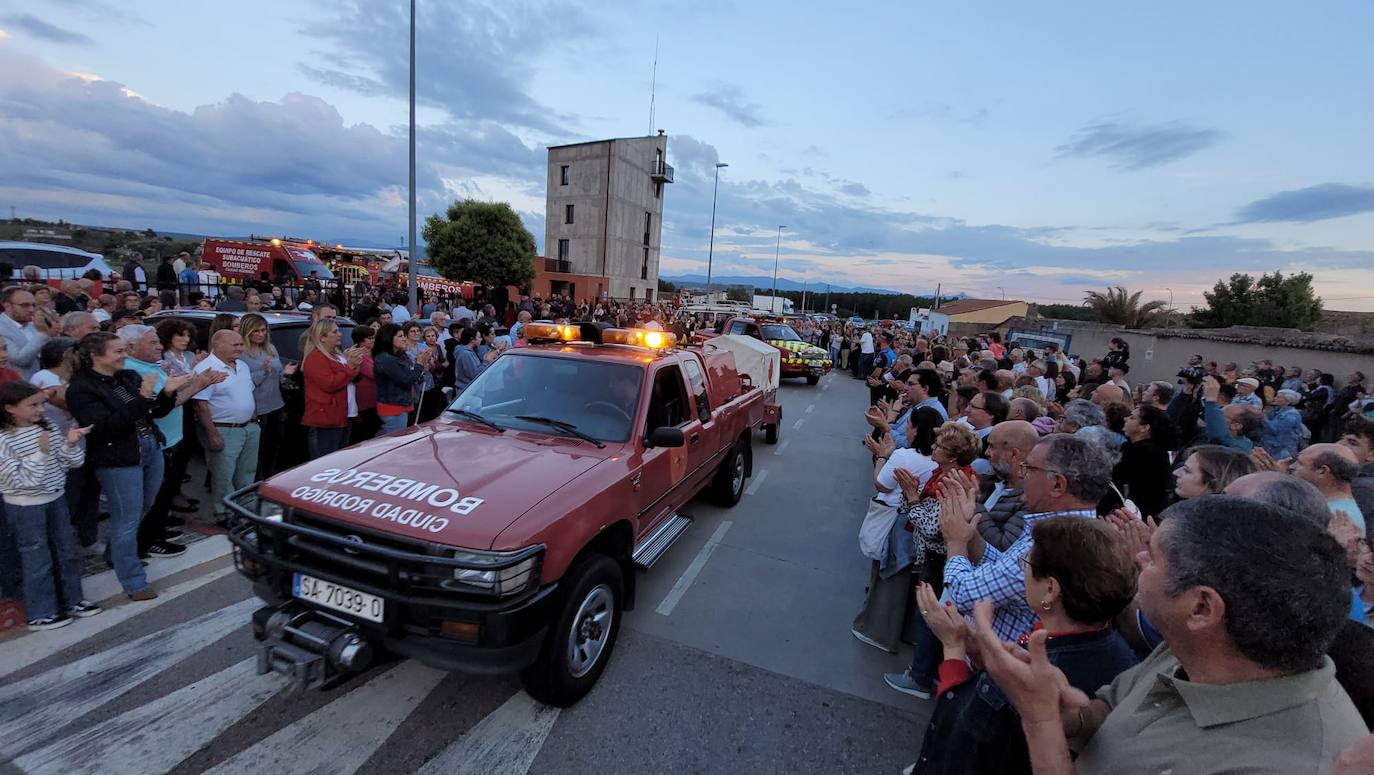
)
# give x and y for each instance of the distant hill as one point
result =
(784, 283)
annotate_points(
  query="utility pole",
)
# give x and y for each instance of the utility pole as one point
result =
(776, 251)
(711, 249)
(410, 241)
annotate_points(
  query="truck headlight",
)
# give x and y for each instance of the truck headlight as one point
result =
(272, 512)
(512, 579)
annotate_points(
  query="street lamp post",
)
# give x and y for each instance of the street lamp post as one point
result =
(1004, 292)
(776, 251)
(410, 238)
(1169, 321)
(710, 251)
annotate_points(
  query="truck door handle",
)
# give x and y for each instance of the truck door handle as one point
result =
(695, 437)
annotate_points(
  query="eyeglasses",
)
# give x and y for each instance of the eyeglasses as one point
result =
(1026, 466)
(1026, 563)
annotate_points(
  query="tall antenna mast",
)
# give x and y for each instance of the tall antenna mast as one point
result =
(653, 87)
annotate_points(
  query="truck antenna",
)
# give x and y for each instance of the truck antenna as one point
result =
(653, 86)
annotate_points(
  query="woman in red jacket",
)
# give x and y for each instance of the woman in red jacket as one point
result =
(330, 399)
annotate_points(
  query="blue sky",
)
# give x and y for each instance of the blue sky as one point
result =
(1039, 151)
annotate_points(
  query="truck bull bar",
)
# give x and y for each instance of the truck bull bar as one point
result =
(312, 647)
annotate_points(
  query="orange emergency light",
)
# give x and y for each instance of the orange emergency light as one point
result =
(552, 332)
(639, 337)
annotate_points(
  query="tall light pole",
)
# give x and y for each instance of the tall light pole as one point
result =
(1168, 321)
(1004, 292)
(711, 250)
(776, 251)
(410, 239)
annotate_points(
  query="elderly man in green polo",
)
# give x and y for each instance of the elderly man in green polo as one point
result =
(1248, 600)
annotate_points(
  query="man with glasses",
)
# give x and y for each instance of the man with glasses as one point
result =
(24, 331)
(1064, 476)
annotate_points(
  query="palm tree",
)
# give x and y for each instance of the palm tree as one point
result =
(1124, 308)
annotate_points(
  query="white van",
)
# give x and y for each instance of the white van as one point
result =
(55, 262)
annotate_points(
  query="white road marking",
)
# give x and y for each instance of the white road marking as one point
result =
(688, 576)
(157, 736)
(36, 707)
(105, 585)
(758, 480)
(810, 408)
(781, 447)
(798, 423)
(825, 385)
(29, 648)
(338, 738)
(506, 742)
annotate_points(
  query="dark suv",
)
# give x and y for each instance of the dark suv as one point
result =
(287, 330)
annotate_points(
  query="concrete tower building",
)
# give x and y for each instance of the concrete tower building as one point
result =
(604, 217)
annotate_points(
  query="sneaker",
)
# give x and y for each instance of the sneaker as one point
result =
(48, 623)
(171, 533)
(165, 549)
(865, 639)
(171, 521)
(83, 609)
(904, 683)
(183, 509)
(146, 593)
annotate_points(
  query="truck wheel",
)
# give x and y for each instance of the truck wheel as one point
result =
(812, 379)
(728, 487)
(579, 643)
(770, 433)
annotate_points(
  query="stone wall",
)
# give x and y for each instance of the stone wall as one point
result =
(1160, 353)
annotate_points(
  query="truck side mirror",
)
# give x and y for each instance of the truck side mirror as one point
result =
(665, 436)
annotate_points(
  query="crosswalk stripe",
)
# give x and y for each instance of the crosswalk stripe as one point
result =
(157, 736)
(36, 707)
(27, 649)
(338, 738)
(505, 742)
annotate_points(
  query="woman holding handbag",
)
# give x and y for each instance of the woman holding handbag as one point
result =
(911, 482)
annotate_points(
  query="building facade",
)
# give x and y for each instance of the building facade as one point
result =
(604, 213)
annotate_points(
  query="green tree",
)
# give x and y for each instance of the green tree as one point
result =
(1273, 300)
(483, 242)
(1065, 312)
(666, 287)
(1123, 308)
(738, 293)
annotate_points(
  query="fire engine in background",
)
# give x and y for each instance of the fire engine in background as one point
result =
(505, 535)
(272, 260)
(799, 357)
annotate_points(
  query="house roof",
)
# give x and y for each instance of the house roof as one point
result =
(964, 306)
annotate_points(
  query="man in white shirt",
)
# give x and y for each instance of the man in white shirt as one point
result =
(225, 415)
(24, 331)
(399, 313)
(179, 263)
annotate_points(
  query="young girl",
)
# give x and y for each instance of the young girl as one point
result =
(33, 476)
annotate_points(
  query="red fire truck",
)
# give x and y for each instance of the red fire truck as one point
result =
(506, 535)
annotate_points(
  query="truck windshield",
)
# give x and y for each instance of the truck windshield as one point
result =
(598, 398)
(778, 331)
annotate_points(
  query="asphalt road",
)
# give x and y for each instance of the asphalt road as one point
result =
(737, 659)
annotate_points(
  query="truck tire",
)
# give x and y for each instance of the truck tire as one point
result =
(728, 487)
(579, 644)
(812, 379)
(770, 433)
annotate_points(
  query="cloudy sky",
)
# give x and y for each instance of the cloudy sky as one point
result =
(1036, 150)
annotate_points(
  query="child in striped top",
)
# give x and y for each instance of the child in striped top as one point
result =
(33, 477)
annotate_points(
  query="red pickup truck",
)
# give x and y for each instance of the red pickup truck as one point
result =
(505, 535)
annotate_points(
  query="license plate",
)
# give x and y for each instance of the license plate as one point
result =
(339, 598)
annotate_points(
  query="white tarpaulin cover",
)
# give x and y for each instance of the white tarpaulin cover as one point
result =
(762, 362)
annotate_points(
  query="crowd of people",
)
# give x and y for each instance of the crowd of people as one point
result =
(1100, 576)
(105, 404)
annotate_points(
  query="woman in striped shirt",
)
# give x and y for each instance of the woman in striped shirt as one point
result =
(33, 477)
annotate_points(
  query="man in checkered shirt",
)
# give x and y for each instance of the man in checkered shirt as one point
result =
(1064, 476)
